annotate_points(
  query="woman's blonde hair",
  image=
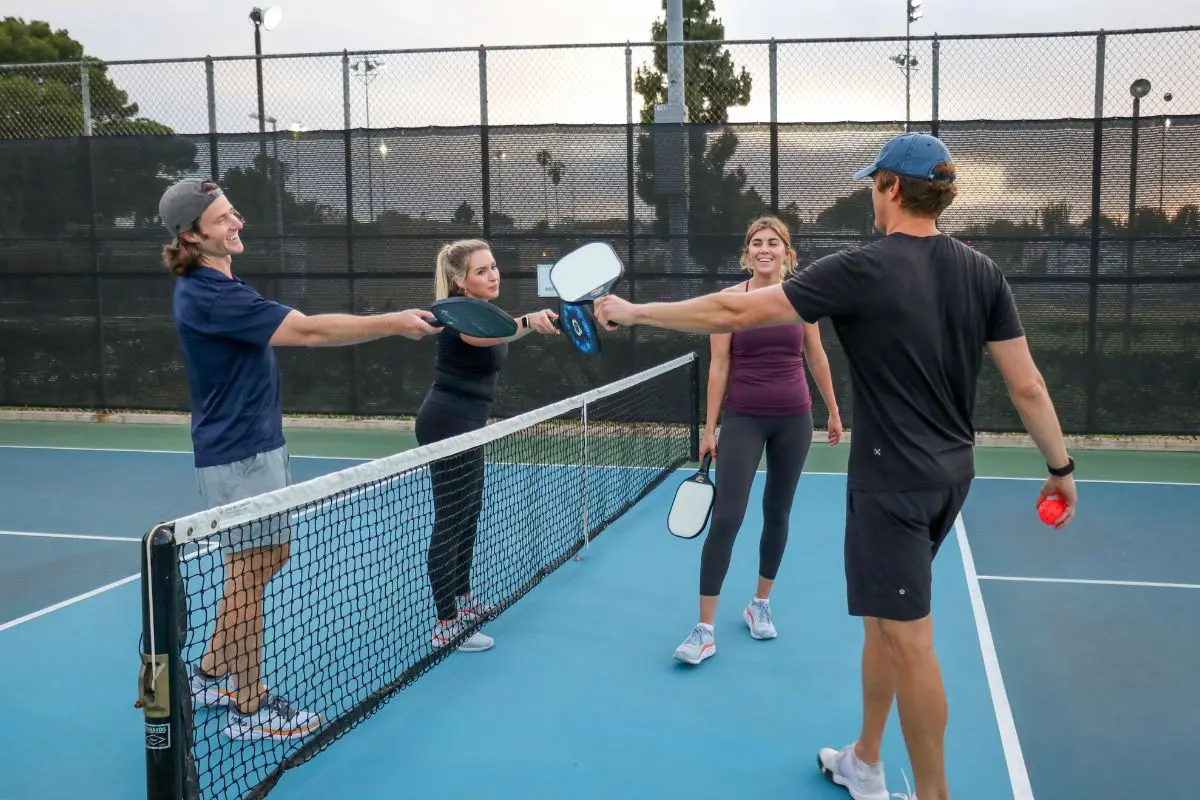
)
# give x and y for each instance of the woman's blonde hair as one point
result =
(452, 263)
(776, 226)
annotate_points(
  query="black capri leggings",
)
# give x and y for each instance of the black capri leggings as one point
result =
(457, 496)
(743, 439)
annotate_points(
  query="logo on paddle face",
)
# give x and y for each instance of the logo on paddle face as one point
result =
(578, 328)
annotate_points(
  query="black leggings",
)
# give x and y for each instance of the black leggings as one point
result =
(743, 439)
(457, 496)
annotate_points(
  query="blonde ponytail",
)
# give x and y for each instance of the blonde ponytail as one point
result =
(452, 263)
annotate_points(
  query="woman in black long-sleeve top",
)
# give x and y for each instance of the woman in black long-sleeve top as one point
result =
(466, 372)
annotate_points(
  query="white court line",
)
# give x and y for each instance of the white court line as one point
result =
(1089, 582)
(37, 534)
(1018, 775)
(88, 595)
(77, 599)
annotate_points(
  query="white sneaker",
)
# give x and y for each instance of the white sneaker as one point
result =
(208, 691)
(700, 644)
(274, 719)
(844, 768)
(758, 618)
(444, 633)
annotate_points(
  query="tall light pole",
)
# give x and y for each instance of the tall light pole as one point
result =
(1162, 156)
(500, 156)
(367, 69)
(274, 178)
(297, 128)
(1139, 89)
(262, 19)
(906, 61)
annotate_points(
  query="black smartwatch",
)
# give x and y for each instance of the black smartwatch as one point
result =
(1062, 472)
(524, 322)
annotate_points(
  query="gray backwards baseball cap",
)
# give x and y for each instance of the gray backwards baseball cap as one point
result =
(182, 204)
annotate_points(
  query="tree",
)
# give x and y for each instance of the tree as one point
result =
(253, 192)
(49, 180)
(851, 212)
(719, 200)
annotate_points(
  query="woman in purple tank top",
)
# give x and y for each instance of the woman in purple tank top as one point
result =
(757, 377)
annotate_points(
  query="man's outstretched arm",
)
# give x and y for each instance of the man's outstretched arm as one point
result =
(720, 312)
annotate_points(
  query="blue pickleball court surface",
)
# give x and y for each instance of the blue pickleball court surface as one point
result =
(1065, 654)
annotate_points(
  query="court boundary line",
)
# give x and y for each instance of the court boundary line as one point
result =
(83, 536)
(68, 602)
(92, 593)
(1018, 773)
(1089, 581)
(365, 459)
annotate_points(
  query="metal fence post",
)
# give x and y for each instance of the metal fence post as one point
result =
(348, 157)
(630, 212)
(88, 144)
(1092, 368)
(484, 144)
(85, 89)
(89, 179)
(774, 86)
(631, 218)
(934, 69)
(214, 161)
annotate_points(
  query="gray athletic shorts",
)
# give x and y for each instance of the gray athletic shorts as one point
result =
(258, 474)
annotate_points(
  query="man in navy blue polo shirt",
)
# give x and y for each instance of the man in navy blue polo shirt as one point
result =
(228, 331)
(914, 312)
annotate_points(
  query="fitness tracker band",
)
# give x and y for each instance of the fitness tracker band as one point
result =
(1062, 472)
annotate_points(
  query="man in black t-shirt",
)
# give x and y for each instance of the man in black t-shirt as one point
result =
(914, 312)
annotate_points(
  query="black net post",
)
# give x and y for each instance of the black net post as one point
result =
(160, 679)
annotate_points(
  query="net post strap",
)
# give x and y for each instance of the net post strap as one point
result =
(206, 523)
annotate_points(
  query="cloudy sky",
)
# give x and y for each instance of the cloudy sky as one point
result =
(131, 29)
(986, 79)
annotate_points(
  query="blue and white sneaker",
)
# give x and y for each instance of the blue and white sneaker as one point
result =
(700, 644)
(210, 692)
(275, 718)
(758, 618)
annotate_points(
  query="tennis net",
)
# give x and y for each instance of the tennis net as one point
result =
(350, 619)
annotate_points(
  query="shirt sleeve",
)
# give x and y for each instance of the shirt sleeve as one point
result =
(824, 288)
(239, 312)
(1004, 321)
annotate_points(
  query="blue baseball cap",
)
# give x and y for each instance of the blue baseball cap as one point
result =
(913, 155)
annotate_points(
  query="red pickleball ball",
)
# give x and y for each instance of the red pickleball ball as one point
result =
(1051, 509)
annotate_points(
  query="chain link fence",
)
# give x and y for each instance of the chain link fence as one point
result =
(364, 163)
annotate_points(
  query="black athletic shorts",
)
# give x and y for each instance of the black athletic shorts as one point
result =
(891, 541)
